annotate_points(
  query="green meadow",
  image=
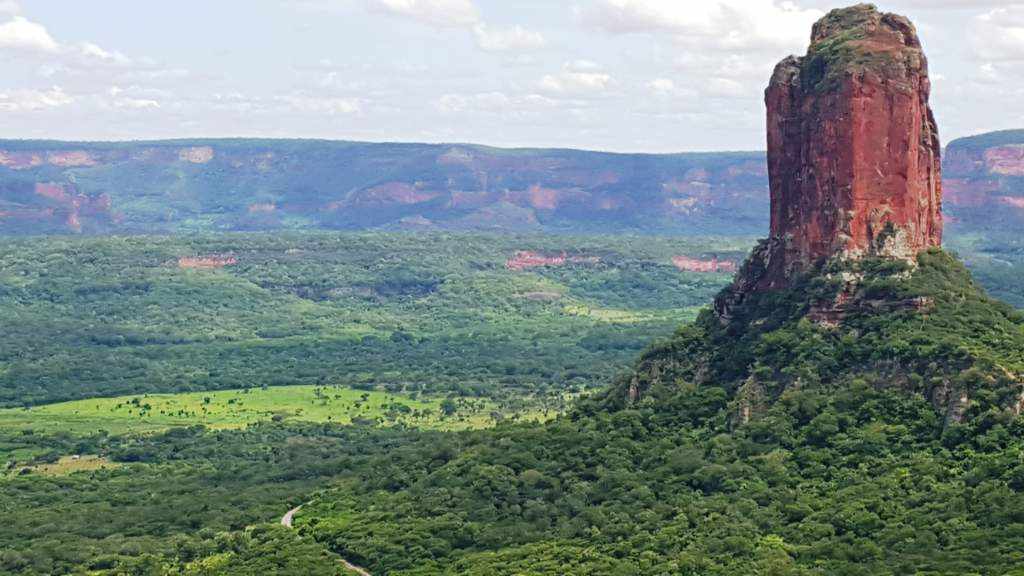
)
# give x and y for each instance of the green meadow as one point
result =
(227, 409)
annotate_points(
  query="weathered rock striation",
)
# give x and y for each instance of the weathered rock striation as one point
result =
(853, 150)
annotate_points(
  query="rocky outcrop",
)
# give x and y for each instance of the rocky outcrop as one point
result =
(706, 266)
(213, 262)
(526, 259)
(853, 149)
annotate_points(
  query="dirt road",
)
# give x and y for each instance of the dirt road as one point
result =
(286, 521)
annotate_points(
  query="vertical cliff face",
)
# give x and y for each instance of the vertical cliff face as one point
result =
(853, 149)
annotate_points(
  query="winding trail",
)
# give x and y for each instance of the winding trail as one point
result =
(286, 521)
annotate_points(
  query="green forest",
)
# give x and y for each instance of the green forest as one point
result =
(439, 313)
(291, 355)
(408, 360)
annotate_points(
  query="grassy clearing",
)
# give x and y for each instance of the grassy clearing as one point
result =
(239, 408)
(611, 315)
(71, 464)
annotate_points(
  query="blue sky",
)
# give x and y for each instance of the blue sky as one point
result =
(625, 75)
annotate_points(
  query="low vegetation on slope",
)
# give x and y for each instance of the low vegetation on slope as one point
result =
(930, 330)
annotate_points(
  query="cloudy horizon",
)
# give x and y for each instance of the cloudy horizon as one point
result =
(616, 75)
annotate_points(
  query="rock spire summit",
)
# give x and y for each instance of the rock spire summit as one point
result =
(853, 149)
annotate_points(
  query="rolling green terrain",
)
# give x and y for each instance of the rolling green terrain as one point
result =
(441, 313)
(187, 392)
(209, 381)
(997, 260)
(88, 317)
(849, 464)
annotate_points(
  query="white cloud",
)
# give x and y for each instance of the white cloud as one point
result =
(441, 13)
(33, 100)
(583, 66)
(136, 103)
(726, 87)
(730, 75)
(9, 7)
(22, 34)
(492, 102)
(666, 88)
(462, 14)
(313, 104)
(999, 34)
(90, 50)
(538, 101)
(485, 101)
(718, 24)
(578, 77)
(120, 99)
(662, 86)
(988, 73)
(515, 38)
(451, 103)
(956, 4)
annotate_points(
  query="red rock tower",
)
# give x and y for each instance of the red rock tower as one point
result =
(853, 149)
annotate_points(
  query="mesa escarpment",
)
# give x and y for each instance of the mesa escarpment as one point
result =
(853, 149)
(984, 181)
(168, 186)
(174, 185)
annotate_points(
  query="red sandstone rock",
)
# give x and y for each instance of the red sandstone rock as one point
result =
(206, 262)
(1006, 160)
(20, 160)
(395, 193)
(196, 154)
(687, 264)
(853, 149)
(262, 208)
(525, 259)
(52, 191)
(72, 158)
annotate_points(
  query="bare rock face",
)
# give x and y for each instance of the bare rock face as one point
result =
(853, 149)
